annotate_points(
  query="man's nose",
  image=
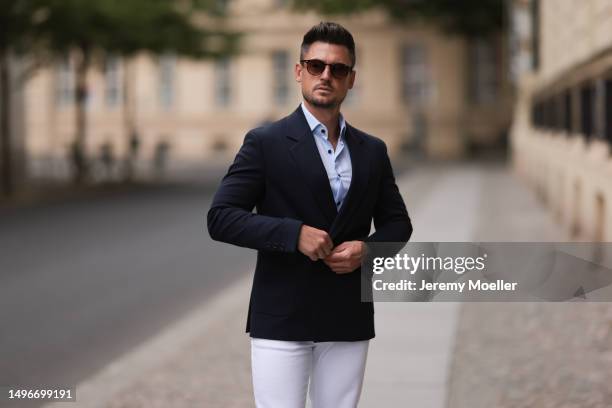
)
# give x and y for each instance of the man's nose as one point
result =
(326, 74)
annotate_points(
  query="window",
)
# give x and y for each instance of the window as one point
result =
(586, 110)
(482, 71)
(280, 79)
(537, 114)
(535, 120)
(608, 111)
(112, 90)
(167, 66)
(415, 78)
(555, 114)
(599, 96)
(567, 111)
(556, 107)
(65, 81)
(222, 82)
(548, 113)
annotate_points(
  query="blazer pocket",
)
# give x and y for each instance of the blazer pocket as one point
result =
(275, 284)
(273, 298)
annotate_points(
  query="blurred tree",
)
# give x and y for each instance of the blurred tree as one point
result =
(90, 29)
(472, 18)
(15, 19)
(94, 28)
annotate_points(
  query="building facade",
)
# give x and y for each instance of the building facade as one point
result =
(562, 128)
(417, 88)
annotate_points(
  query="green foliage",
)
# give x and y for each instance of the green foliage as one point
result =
(15, 19)
(114, 26)
(464, 17)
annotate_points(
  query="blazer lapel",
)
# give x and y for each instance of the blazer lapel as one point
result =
(360, 163)
(306, 155)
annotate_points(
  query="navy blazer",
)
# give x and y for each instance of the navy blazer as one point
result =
(279, 171)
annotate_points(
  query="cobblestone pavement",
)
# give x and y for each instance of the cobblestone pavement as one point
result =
(212, 371)
(529, 355)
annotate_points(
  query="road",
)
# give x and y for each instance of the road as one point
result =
(85, 281)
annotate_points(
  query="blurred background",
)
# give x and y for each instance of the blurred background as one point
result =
(118, 119)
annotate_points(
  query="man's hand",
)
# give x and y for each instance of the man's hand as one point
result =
(346, 257)
(314, 243)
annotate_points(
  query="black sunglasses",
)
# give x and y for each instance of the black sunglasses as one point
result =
(316, 67)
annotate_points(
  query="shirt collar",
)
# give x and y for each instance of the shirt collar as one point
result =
(313, 122)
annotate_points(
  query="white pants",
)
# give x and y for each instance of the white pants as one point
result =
(281, 370)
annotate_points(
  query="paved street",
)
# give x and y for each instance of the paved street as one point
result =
(429, 355)
(83, 282)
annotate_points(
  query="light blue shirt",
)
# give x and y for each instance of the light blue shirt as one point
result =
(337, 162)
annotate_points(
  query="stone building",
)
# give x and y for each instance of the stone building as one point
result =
(420, 90)
(562, 128)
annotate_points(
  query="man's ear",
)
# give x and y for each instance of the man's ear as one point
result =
(298, 72)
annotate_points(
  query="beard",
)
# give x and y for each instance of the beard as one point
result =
(318, 103)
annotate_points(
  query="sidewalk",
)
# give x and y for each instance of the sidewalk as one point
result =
(203, 360)
(58, 192)
(410, 361)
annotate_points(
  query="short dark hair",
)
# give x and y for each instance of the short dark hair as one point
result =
(331, 33)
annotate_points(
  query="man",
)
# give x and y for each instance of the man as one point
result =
(317, 183)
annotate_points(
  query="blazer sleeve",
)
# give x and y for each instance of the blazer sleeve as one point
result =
(391, 219)
(230, 217)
